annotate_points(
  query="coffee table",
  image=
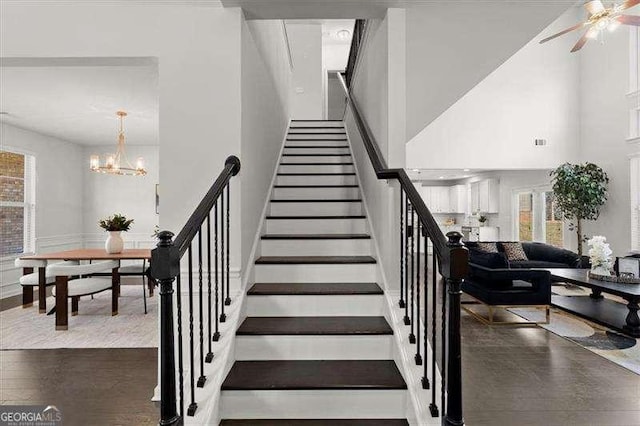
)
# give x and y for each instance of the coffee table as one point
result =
(595, 307)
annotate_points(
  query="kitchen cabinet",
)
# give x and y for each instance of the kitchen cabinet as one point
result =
(485, 196)
(436, 198)
(458, 199)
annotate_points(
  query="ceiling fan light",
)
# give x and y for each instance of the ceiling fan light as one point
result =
(343, 34)
(613, 25)
(593, 33)
(602, 23)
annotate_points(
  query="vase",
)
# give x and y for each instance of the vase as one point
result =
(600, 270)
(114, 243)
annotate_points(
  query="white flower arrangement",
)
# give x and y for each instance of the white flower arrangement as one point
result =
(600, 255)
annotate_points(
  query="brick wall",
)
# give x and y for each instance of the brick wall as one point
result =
(11, 189)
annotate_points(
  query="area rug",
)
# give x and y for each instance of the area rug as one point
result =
(612, 345)
(93, 327)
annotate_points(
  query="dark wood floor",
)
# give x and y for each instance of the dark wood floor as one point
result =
(90, 386)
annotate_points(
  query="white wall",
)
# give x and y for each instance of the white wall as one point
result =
(380, 60)
(305, 40)
(453, 45)
(198, 52)
(535, 94)
(132, 196)
(59, 192)
(604, 75)
(265, 116)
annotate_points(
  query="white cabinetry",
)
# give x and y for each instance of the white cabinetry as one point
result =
(436, 198)
(485, 196)
(458, 199)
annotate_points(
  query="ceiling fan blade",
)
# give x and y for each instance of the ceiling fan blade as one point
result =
(568, 30)
(594, 6)
(629, 20)
(580, 44)
(627, 5)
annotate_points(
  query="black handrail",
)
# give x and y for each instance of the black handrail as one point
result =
(165, 269)
(382, 172)
(450, 257)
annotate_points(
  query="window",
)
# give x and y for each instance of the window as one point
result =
(536, 217)
(635, 202)
(634, 85)
(17, 203)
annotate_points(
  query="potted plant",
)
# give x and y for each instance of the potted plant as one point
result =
(115, 225)
(580, 190)
(482, 219)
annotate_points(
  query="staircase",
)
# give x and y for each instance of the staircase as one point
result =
(315, 347)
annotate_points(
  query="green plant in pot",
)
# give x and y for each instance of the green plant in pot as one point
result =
(483, 220)
(115, 225)
(580, 191)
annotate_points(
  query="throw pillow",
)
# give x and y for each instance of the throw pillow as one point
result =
(514, 251)
(488, 247)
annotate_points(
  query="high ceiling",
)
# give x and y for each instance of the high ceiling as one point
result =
(77, 99)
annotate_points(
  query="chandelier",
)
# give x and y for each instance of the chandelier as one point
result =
(118, 164)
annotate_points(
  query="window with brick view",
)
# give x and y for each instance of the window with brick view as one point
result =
(17, 204)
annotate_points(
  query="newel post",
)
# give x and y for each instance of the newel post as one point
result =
(458, 268)
(165, 267)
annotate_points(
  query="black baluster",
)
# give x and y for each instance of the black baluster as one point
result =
(402, 254)
(191, 411)
(433, 407)
(407, 321)
(227, 301)
(418, 357)
(209, 357)
(444, 344)
(165, 271)
(223, 317)
(425, 377)
(216, 334)
(411, 301)
(180, 354)
(458, 269)
(202, 379)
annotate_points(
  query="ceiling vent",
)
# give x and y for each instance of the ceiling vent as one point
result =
(540, 142)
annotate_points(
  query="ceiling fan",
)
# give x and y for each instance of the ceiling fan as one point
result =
(600, 18)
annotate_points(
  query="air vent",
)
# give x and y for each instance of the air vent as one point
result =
(540, 142)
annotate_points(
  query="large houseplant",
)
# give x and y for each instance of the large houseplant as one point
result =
(115, 225)
(580, 190)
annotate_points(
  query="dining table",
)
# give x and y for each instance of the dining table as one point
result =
(61, 309)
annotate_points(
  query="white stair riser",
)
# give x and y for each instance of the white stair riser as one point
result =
(317, 137)
(316, 142)
(306, 151)
(333, 273)
(313, 404)
(315, 193)
(316, 226)
(265, 348)
(300, 306)
(316, 123)
(319, 209)
(317, 180)
(317, 159)
(316, 169)
(316, 247)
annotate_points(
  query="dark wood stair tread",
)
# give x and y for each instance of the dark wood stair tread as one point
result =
(314, 375)
(316, 237)
(317, 174)
(326, 200)
(317, 146)
(317, 140)
(316, 155)
(313, 289)
(316, 217)
(315, 186)
(316, 164)
(314, 326)
(315, 422)
(313, 260)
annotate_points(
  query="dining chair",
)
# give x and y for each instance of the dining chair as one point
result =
(135, 271)
(73, 288)
(36, 273)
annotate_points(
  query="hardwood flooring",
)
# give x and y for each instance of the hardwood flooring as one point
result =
(90, 386)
